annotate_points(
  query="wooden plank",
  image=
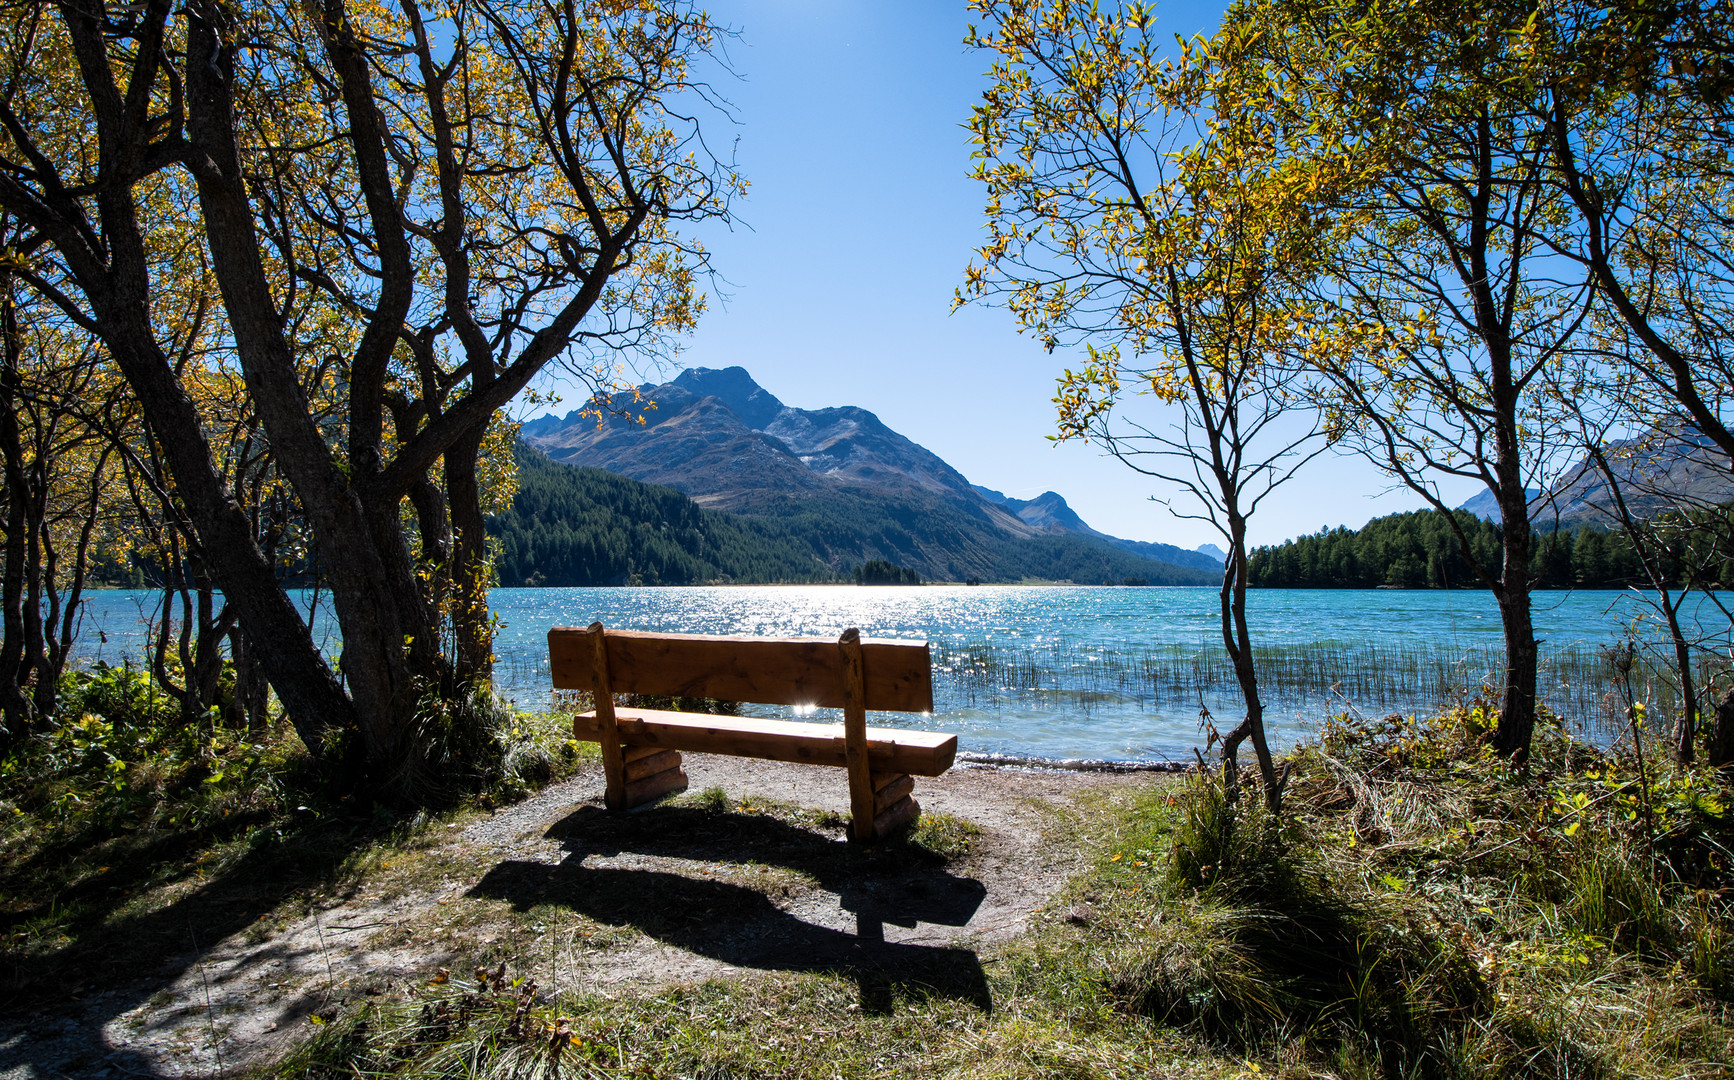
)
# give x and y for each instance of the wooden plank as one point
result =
(889, 750)
(883, 780)
(666, 782)
(899, 814)
(772, 671)
(888, 793)
(650, 765)
(629, 754)
(861, 808)
(608, 734)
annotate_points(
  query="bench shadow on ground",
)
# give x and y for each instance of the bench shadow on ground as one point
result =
(737, 925)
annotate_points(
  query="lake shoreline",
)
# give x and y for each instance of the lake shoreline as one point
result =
(1088, 673)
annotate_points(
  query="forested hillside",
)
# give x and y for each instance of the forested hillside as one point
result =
(1420, 551)
(571, 525)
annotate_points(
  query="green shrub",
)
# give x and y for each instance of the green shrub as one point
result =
(120, 755)
(124, 696)
(1232, 847)
(943, 836)
(713, 800)
(474, 745)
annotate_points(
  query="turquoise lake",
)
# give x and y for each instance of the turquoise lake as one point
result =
(1070, 672)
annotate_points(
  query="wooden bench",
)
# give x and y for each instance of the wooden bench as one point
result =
(641, 747)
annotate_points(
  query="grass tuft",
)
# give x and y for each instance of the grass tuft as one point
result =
(943, 836)
(1614, 895)
(712, 800)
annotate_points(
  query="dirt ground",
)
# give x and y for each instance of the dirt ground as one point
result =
(586, 900)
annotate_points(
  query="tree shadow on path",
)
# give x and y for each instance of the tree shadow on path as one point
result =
(54, 1006)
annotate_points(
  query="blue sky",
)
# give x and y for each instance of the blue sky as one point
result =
(858, 225)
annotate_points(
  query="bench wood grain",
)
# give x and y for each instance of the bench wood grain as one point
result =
(641, 747)
(769, 671)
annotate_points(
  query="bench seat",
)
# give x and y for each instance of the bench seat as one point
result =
(889, 750)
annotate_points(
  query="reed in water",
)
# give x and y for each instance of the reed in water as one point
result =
(1313, 678)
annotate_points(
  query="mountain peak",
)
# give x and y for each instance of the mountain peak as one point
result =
(735, 388)
(1049, 511)
(726, 442)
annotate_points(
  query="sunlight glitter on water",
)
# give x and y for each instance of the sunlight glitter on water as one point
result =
(1076, 671)
(1114, 673)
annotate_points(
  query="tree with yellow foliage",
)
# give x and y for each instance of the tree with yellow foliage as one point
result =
(1137, 204)
(408, 211)
(56, 465)
(1444, 308)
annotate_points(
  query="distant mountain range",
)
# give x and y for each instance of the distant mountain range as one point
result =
(1661, 472)
(842, 481)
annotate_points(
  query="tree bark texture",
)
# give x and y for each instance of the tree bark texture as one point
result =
(1720, 752)
(1517, 710)
(15, 670)
(469, 614)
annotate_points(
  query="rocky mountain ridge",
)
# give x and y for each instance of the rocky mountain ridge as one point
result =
(729, 444)
(1656, 473)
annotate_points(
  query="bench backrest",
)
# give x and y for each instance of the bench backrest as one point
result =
(898, 675)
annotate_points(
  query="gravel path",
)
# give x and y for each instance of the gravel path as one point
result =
(586, 900)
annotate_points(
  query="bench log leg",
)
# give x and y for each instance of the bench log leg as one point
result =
(647, 774)
(879, 803)
(893, 806)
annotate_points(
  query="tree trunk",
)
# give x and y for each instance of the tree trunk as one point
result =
(389, 644)
(432, 522)
(159, 665)
(1720, 752)
(62, 626)
(249, 707)
(1237, 639)
(204, 676)
(474, 636)
(1686, 728)
(1511, 738)
(1516, 728)
(14, 706)
(34, 671)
